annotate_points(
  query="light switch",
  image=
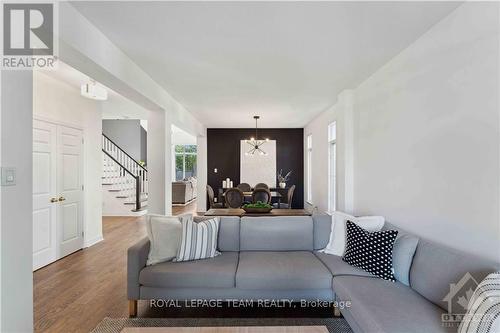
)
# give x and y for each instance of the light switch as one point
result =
(215, 170)
(8, 176)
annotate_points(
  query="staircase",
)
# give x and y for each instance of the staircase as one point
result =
(124, 180)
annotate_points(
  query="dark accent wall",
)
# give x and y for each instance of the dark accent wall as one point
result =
(223, 150)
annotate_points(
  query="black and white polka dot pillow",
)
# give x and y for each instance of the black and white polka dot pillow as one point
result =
(370, 251)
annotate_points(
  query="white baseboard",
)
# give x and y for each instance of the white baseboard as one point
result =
(90, 242)
(184, 204)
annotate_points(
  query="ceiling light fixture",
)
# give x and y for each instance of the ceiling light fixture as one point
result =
(255, 142)
(94, 91)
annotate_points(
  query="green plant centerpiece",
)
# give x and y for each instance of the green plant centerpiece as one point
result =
(258, 207)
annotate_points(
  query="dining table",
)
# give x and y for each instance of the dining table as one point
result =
(274, 194)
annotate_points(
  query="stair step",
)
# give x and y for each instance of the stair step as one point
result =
(133, 202)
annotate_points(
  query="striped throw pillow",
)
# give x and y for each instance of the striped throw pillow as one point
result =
(199, 240)
(483, 312)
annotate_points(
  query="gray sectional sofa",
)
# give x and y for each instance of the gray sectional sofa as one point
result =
(277, 258)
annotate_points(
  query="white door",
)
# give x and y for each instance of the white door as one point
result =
(57, 192)
(70, 191)
(44, 194)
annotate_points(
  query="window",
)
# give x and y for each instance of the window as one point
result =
(185, 161)
(309, 168)
(332, 167)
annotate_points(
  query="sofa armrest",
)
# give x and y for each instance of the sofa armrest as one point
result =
(137, 257)
(179, 192)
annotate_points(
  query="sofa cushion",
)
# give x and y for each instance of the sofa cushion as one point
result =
(402, 253)
(282, 270)
(436, 266)
(322, 228)
(229, 232)
(285, 233)
(339, 267)
(217, 272)
(382, 306)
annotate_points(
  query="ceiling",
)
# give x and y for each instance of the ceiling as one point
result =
(285, 61)
(115, 107)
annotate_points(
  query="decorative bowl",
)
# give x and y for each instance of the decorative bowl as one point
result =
(257, 210)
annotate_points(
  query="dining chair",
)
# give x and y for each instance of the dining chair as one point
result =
(244, 187)
(261, 185)
(234, 198)
(288, 204)
(211, 198)
(261, 194)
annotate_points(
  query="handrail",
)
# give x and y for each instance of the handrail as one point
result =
(119, 164)
(123, 151)
(137, 181)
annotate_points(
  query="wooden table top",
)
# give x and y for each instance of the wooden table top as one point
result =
(248, 329)
(241, 212)
(274, 194)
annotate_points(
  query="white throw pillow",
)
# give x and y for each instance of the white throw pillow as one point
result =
(164, 233)
(483, 311)
(336, 245)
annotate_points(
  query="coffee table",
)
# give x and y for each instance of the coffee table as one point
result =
(246, 329)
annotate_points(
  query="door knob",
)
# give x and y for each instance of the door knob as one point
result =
(53, 200)
(62, 198)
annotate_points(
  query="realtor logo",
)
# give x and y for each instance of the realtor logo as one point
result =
(28, 29)
(28, 35)
(458, 299)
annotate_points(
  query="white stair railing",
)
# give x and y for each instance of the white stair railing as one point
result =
(128, 175)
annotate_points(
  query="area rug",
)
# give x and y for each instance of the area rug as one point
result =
(112, 325)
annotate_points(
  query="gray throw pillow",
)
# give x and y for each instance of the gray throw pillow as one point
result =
(402, 256)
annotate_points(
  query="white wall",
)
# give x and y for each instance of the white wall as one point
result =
(202, 172)
(427, 124)
(119, 107)
(341, 113)
(58, 101)
(426, 135)
(16, 245)
(159, 163)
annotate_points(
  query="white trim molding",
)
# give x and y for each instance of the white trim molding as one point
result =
(90, 242)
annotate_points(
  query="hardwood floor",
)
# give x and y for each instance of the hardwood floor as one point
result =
(190, 208)
(75, 293)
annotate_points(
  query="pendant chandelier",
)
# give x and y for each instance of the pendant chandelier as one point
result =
(255, 143)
